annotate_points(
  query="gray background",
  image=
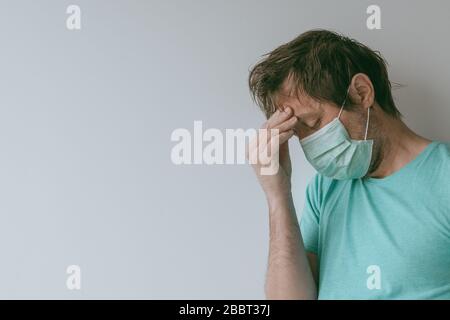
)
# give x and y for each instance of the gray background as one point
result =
(85, 124)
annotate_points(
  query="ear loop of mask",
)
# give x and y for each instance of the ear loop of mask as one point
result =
(343, 103)
(368, 113)
(367, 123)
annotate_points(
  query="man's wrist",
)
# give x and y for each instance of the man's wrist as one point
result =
(276, 201)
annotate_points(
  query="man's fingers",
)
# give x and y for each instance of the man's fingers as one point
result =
(279, 117)
(267, 143)
(273, 146)
(287, 125)
(285, 136)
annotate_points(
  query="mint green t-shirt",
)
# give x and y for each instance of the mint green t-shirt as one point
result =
(383, 238)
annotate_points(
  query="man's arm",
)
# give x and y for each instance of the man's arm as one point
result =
(314, 265)
(289, 274)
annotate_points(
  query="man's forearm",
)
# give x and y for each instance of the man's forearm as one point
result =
(289, 275)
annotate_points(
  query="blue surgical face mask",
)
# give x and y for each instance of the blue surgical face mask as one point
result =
(334, 154)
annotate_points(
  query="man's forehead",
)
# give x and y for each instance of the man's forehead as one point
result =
(285, 95)
(289, 87)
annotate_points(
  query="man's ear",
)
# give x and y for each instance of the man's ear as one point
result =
(361, 90)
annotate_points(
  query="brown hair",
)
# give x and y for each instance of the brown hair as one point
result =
(321, 64)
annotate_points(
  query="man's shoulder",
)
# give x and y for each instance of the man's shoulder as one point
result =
(439, 157)
(434, 174)
(443, 149)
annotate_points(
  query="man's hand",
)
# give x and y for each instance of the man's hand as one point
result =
(274, 147)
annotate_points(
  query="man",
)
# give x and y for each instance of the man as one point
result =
(376, 221)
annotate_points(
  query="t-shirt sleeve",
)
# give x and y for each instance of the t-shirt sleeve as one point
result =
(309, 221)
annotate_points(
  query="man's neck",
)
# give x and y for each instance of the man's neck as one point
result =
(400, 146)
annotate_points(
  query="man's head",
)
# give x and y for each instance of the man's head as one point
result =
(312, 75)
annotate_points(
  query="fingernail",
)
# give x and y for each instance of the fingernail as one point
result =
(287, 110)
